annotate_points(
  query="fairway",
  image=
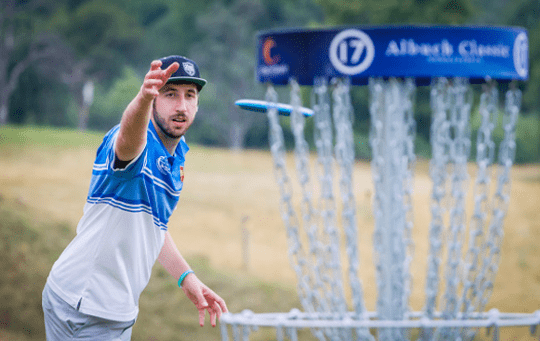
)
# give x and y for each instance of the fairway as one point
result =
(225, 191)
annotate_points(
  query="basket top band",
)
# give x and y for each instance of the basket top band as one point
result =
(421, 52)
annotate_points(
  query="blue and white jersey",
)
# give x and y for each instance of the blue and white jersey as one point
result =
(108, 264)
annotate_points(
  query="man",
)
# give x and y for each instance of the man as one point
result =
(93, 289)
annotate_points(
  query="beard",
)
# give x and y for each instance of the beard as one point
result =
(163, 126)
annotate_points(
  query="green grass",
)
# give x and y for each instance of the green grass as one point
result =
(28, 248)
(15, 136)
(44, 174)
(30, 244)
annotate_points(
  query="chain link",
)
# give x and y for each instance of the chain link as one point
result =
(324, 242)
(392, 140)
(440, 148)
(485, 151)
(440, 136)
(297, 254)
(459, 112)
(460, 99)
(344, 151)
(501, 199)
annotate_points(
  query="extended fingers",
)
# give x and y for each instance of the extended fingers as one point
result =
(213, 313)
(156, 64)
(214, 310)
(201, 316)
(206, 299)
(171, 69)
(156, 77)
(158, 73)
(218, 312)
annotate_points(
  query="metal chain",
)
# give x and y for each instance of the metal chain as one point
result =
(485, 151)
(408, 165)
(440, 148)
(344, 150)
(440, 141)
(288, 214)
(492, 241)
(326, 205)
(501, 199)
(376, 88)
(459, 112)
(461, 98)
(324, 246)
(327, 219)
(391, 140)
(345, 159)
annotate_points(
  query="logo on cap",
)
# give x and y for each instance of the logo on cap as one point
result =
(189, 68)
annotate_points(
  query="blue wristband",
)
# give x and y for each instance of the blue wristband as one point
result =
(181, 279)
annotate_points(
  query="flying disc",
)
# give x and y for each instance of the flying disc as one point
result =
(263, 106)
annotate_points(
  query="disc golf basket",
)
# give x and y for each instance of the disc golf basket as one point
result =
(464, 251)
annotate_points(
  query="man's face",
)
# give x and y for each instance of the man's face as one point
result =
(174, 109)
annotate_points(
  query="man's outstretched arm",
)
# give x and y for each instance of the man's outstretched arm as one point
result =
(195, 290)
(132, 135)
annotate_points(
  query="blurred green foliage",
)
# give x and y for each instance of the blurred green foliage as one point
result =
(105, 112)
(112, 42)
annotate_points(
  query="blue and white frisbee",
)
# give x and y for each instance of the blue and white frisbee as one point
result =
(263, 106)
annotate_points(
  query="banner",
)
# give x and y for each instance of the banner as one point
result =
(421, 52)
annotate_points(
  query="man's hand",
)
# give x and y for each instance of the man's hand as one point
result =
(204, 299)
(156, 78)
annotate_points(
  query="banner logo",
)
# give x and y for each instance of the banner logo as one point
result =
(271, 61)
(351, 52)
(268, 45)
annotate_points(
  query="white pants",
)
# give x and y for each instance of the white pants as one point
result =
(64, 322)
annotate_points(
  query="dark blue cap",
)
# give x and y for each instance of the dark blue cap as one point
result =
(187, 72)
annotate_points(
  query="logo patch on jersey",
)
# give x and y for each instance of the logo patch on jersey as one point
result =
(189, 68)
(163, 165)
(182, 173)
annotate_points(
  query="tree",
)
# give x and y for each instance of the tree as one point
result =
(19, 48)
(103, 37)
(84, 41)
(397, 12)
(527, 14)
(226, 34)
(226, 53)
(170, 27)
